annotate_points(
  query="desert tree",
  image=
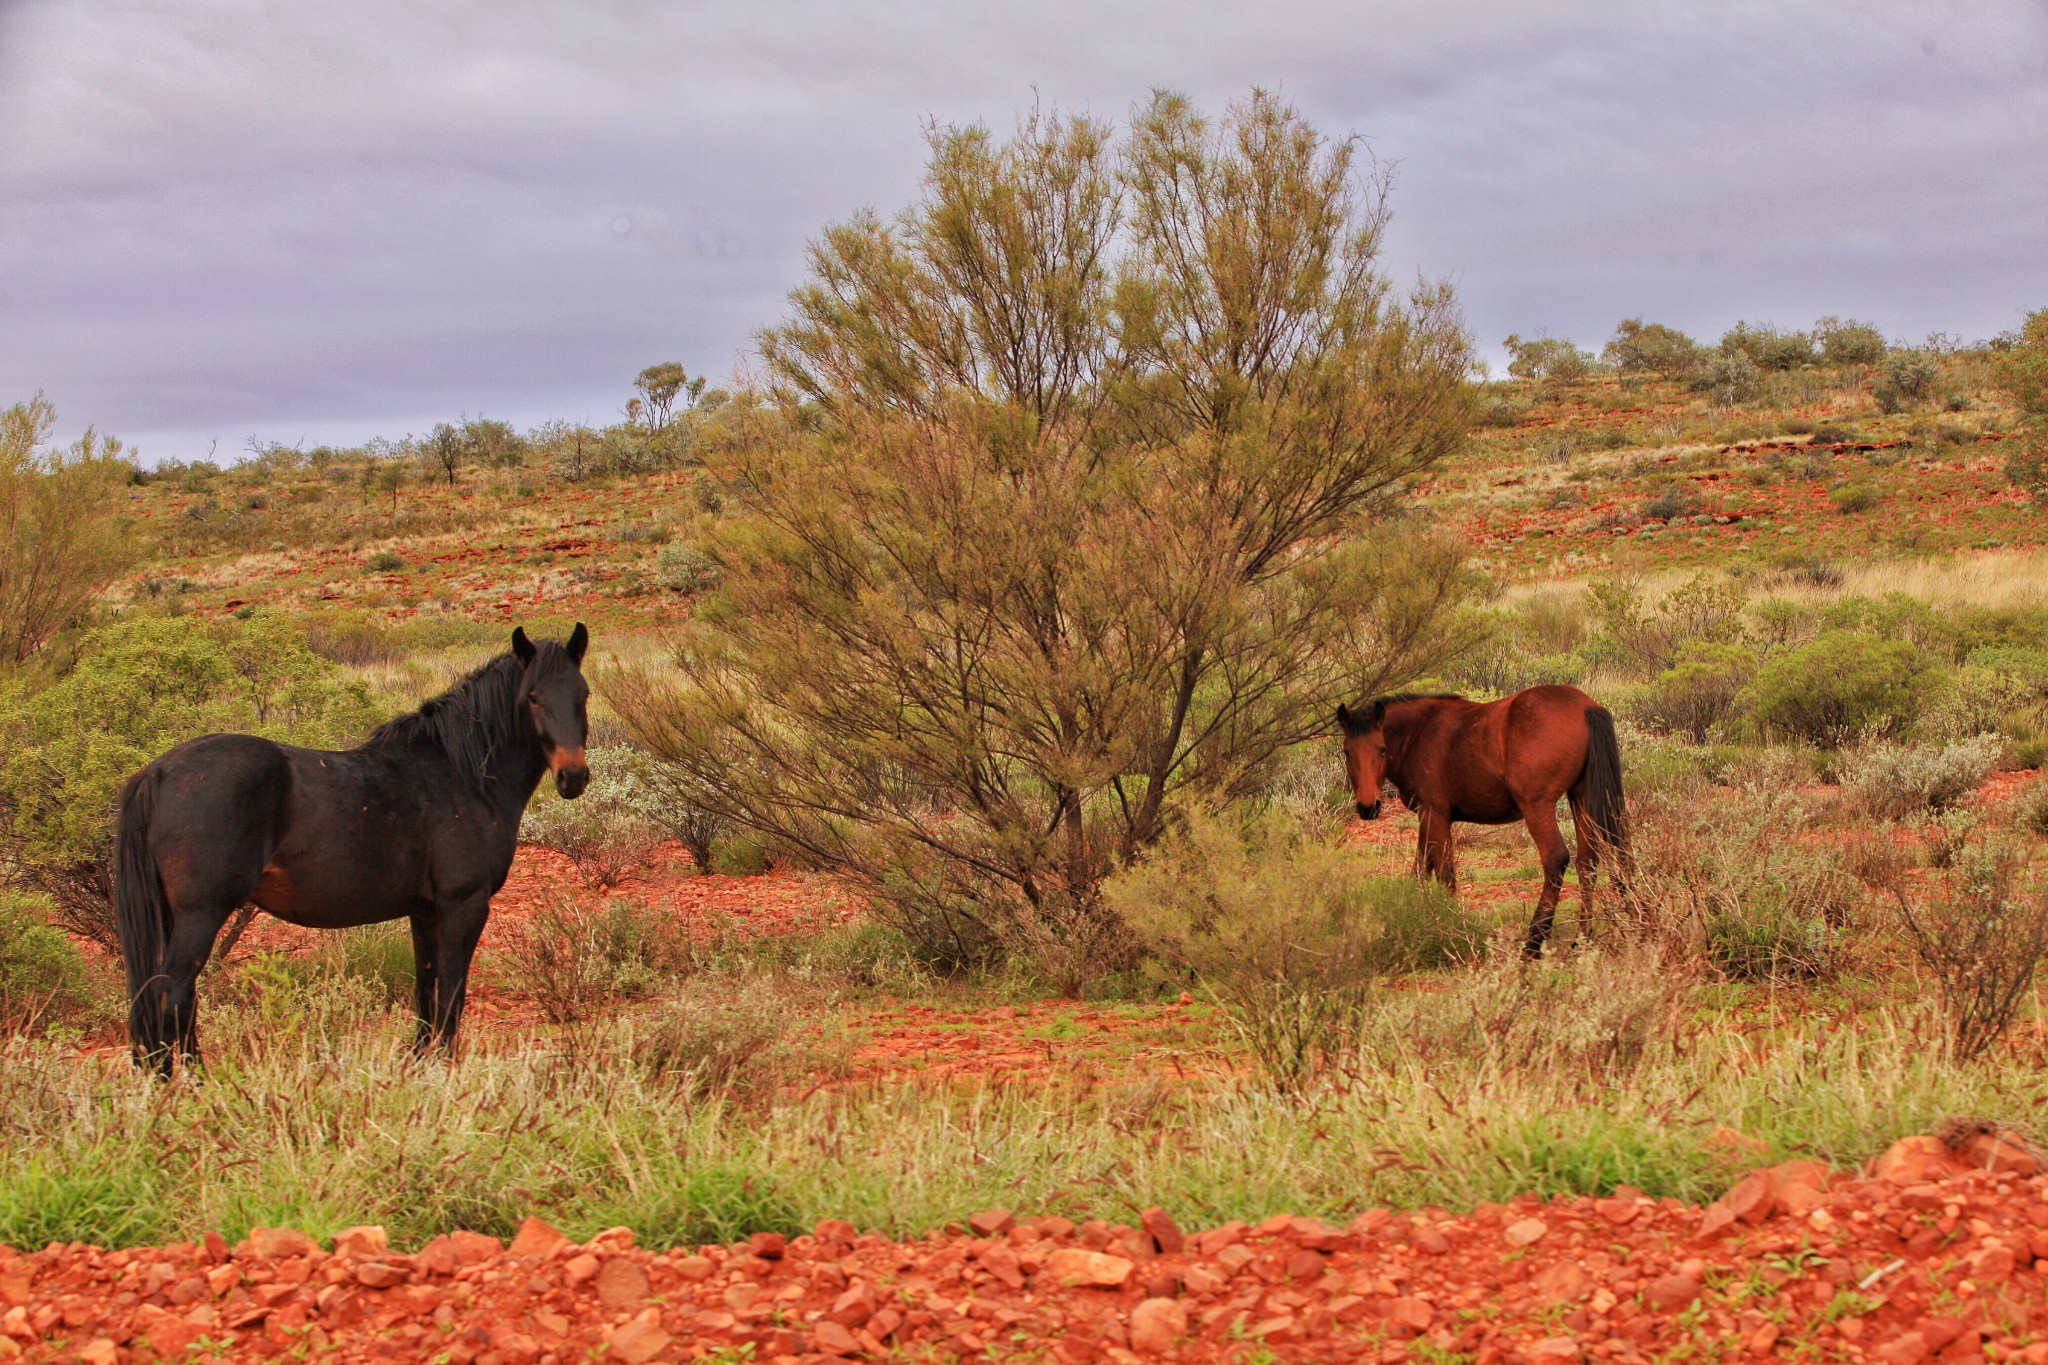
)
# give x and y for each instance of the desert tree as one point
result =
(1073, 500)
(60, 534)
(444, 449)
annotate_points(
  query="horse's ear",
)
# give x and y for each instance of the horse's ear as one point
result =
(1343, 717)
(579, 640)
(522, 646)
(1379, 714)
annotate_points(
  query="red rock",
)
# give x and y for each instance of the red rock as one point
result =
(1408, 1311)
(1913, 1159)
(1754, 1198)
(1716, 1220)
(1525, 1232)
(621, 1283)
(1619, 1212)
(1429, 1240)
(1908, 1348)
(1994, 1149)
(835, 1230)
(274, 1244)
(98, 1351)
(368, 1240)
(537, 1239)
(580, 1269)
(992, 1222)
(1164, 1232)
(1002, 1263)
(769, 1246)
(834, 1339)
(379, 1275)
(1669, 1293)
(1157, 1325)
(1369, 1223)
(637, 1343)
(1552, 1351)
(1072, 1266)
(854, 1307)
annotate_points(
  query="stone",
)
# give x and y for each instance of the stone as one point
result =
(1002, 1263)
(275, 1244)
(1619, 1212)
(1409, 1312)
(621, 1283)
(1754, 1197)
(1912, 1160)
(1092, 1269)
(1552, 1351)
(1236, 1257)
(992, 1222)
(380, 1275)
(769, 1246)
(582, 1268)
(1157, 1325)
(1717, 1219)
(835, 1230)
(637, 1343)
(98, 1351)
(1428, 1240)
(833, 1339)
(1994, 1148)
(368, 1240)
(854, 1307)
(537, 1239)
(1908, 1348)
(1561, 1281)
(471, 1247)
(1525, 1232)
(1164, 1232)
(695, 1267)
(1669, 1293)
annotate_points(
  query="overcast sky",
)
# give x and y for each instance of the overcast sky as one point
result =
(331, 221)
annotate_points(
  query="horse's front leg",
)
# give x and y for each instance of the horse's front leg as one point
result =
(455, 929)
(423, 976)
(1433, 856)
(1542, 821)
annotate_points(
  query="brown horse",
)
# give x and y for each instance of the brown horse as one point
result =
(1490, 764)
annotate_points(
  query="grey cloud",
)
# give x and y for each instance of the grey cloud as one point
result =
(222, 218)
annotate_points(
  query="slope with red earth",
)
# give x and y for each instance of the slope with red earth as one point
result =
(1794, 1263)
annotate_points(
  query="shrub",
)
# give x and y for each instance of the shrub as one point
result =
(1844, 684)
(1679, 499)
(1730, 378)
(685, 568)
(1698, 691)
(2033, 809)
(603, 832)
(60, 538)
(43, 976)
(1728, 882)
(669, 798)
(138, 688)
(1899, 779)
(1981, 938)
(385, 561)
(1552, 358)
(1648, 639)
(1639, 348)
(574, 956)
(2026, 464)
(1768, 348)
(1844, 343)
(1284, 932)
(1859, 496)
(1907, 377)
(720, 1036)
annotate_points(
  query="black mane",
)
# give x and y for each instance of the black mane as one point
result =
(470, 722)
(1416, 696)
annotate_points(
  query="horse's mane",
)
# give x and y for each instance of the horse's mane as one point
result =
(1390, 699)
(470, 722)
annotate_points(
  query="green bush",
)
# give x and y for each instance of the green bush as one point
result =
(1908, 377)
(1846, 343)
(1899, 779)
(1652, 348)
(385, 561)
(1552, 358)
(43, 976)
(1697, 692)
(138, 688)
(574, 956)
(726, 1037)
(1730, 378)
(685, 568)
(1859, 496)
(603, 831)
(1285, 931)
(2033, 809)
(1844, 684)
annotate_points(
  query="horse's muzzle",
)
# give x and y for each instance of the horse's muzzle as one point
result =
(572, 774)
(1371, 812)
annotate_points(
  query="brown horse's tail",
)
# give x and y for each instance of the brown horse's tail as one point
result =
(140, 911)
(1606, 806)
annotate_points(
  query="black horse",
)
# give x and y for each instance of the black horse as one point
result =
(420, 823)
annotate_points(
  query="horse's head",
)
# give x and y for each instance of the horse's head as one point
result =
(1365, 755)
(552, 690)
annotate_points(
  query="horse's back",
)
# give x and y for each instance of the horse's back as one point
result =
(1546, 738)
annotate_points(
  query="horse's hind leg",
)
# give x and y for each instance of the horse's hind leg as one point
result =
(423, 977)
(193, 931)
(1542, 821)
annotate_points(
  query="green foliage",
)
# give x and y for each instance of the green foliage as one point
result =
(1652, 348)
(1844, 684)
(685, 568)
(1730, 378)
(2033, 809)
(1848, 342)
(385, 561)
(43, 976)
(2021, 368)
(991, 614)
(604, 831)
(1858, 496)
(1908, 377)
(576, 956)
(1899, 779)
(97, 1196)
(60, 541)
(138, 688)
(728, 1037)
(1647, 638)
(1698, 691)
(1767, 348)
(1552, 358)
(1285, 932)
(1981, 936)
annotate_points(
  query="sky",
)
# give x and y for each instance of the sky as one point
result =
(225, 219)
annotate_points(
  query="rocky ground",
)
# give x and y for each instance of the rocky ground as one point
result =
(1930, 1255)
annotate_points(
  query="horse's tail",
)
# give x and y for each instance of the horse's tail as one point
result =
(1606, 805)
(141, 912)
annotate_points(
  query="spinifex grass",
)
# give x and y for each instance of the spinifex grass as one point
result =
(1479, 1087)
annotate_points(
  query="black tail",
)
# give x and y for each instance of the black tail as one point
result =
(140, 912)
(1606, 805)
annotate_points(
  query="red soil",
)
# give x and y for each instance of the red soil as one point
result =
(1794, 1263)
